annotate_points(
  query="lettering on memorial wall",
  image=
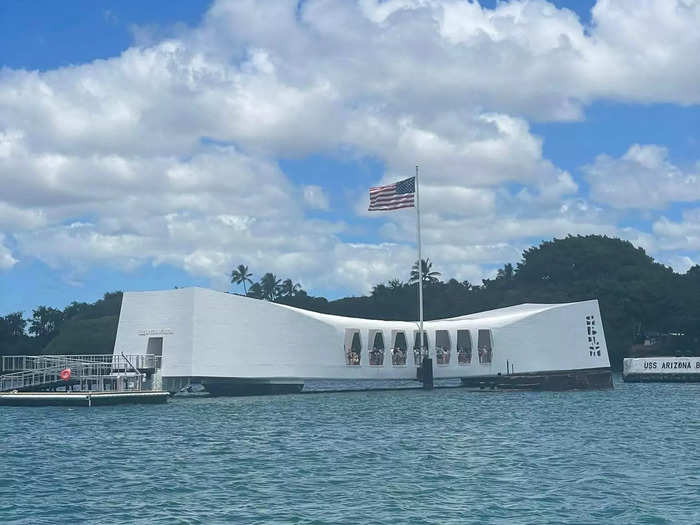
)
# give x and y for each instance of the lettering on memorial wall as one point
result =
(155, 331)
(593, 341)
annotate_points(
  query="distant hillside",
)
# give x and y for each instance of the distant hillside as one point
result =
(87, 328)
(80, 328)
(85, 336)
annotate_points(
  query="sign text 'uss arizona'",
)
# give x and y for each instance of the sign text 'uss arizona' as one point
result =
(664, 365)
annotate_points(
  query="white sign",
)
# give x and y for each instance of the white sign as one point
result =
(155, 331)
(662, 365)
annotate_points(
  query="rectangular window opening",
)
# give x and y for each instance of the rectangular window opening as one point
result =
(399, 349)
(443, 347)
(376, 350)
(353, 347)
(464, 347)
(485, 347)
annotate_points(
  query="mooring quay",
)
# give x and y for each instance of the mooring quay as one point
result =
(87, 399)
(100, 379)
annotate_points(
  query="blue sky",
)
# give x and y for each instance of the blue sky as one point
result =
(146, 145)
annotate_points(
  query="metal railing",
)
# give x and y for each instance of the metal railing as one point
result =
(17, 363)
(45, 370)
(21, 380)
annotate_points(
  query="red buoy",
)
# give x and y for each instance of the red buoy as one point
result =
(65, 374)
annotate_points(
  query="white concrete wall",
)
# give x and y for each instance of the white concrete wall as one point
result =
(553, 339)
(242, 337)
(166, 314)
(213, 334)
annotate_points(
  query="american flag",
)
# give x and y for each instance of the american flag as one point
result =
(393, 196)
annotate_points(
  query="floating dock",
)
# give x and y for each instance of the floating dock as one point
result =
(661, 369)
(98, 379)
(86, 399)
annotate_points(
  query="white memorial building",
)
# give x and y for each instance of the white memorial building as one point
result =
(238, 345)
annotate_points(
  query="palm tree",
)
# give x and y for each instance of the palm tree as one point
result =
(255, 291)
(429, 276)
(395, 284)
(270, 286)
(288, 288)
(241, 276)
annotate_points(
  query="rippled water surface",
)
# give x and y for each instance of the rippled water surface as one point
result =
(630, 455)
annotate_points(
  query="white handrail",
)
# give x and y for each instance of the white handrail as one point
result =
(46, 369)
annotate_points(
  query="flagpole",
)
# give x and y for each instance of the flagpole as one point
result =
(426, 374)
(420, 267)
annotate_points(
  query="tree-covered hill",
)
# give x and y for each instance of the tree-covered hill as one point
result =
(637, 296)
(80, 328)
(85, 336)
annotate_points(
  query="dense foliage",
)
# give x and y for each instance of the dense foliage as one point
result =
(637, 297)
(80, 328)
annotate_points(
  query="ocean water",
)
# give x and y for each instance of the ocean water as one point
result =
(631, 455)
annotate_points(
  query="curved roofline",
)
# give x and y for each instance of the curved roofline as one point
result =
(499, 315)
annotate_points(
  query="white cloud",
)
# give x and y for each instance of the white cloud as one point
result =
(679, 235)
(680, 263)
(317, 77)
(168, 152)
(642, 178)
(525, 57)
(15, 218)
(7, 261)
(315, 197)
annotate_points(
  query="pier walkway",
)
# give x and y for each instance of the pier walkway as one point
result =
(91, 372)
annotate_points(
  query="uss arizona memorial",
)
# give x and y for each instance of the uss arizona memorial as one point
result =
(238, 345)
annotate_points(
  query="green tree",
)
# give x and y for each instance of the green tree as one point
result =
(395, 284)
(255, 291)
(429, 276)
(241, 276)
(14, 340)
(74, 309)
(506, 273)
(289, 288)
(379, 290)
(12, 325)
(270, 286)
(45, 322)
